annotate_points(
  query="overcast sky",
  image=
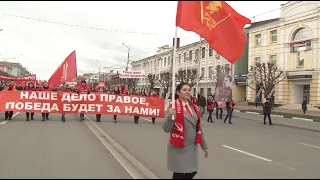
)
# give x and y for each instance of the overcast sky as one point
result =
(143, 26)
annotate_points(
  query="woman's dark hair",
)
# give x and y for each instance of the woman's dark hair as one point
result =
(179, 87)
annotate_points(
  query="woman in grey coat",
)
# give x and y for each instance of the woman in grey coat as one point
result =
(185, 135)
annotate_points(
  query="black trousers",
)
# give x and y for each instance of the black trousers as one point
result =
(98, 117)
(265, 117)
(153, 120)
(210, 116)
(136, 119)
(28, 113)
(45, 116)
(114, 117)
(184, 175)
(8, 115)
(217, 112)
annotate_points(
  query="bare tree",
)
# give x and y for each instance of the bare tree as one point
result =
(152, 80)
(265, 76)
(190, 77)
(165, 81)
(132, 83)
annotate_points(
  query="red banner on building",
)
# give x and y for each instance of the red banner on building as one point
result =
(64, 102)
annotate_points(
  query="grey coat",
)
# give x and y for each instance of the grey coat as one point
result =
(184, 160)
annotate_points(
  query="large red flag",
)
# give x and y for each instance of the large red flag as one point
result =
(216, 22)
(66, 72)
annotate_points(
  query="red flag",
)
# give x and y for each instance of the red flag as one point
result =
(66, 72)
(216, 22)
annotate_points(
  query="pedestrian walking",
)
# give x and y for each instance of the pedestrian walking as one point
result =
(30, 87)
(229, 112)
(45, 87)
(117, 92)
(154, 94)
(267, 111)
(64, 89)
(136, 118)
(98, 116)
(186, 134)
(202, 104)
(84, 89)
(11, 87)
(210, 104)
(304, 105)
(219, 108)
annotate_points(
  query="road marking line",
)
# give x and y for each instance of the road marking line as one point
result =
(310, 145)
(148, 120)
(276, 116)
(134, 167)
(14, 115)
(259, 157)
(285, 166)
(303, 119)
(236, 110)
(251, 112)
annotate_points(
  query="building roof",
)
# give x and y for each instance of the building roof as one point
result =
(260, 23)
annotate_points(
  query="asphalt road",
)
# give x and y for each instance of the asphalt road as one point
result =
(54, 149)
(245, 149)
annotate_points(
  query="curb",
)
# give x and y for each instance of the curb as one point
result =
(135, 168)
(275, 115)
(285, 125)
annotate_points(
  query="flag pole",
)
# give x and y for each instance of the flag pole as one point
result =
(174, 68)
(198, 68)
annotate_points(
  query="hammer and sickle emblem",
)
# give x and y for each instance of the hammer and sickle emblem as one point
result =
(214, 6)
(178, 126)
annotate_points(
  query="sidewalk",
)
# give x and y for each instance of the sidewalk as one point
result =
(281, 112)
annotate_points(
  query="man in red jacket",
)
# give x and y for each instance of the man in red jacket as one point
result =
(64, 88)
(30, 87)
(84, 89)
(210, 103)
(154, 95)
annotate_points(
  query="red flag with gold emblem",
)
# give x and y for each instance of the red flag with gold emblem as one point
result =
(216, 22)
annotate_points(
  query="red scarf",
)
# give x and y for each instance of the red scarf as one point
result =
(177, 134)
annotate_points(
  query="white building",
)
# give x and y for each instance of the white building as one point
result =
(186, 58)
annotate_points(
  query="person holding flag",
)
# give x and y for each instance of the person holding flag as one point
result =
(136, 118)
(154, 94)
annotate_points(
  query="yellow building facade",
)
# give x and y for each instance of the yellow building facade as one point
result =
(292, 42)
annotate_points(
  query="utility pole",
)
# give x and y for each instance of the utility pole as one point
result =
(199, 62)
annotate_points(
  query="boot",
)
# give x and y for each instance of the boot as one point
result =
(43, 116)
(115, 119)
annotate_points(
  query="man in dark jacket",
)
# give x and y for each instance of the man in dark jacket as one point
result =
(202, 103)
(267, 111)
(304, 105)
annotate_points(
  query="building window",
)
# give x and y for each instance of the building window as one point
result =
(197, 54)
(227, 68)
(179, 58)
(300, 59)
(159, 62)
(273, 36)
(209, 92)
(190, 55)
(210, 72)
(218, 69)
(202, 72)
(258, 39)
(185, 56)
(165, 61)
(210, 52)
(273, 59)
(169, 60)
(301, 41)
(257, 60)
(203, 52)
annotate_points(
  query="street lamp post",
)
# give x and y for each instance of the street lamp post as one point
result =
(99, 68)
(128, 60)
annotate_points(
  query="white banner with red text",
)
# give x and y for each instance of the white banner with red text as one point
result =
(97, 103)
(132, 74)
